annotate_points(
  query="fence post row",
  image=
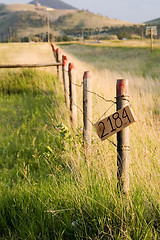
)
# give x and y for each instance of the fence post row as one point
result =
(123, 147)
(122, 97)
(65, 80)
(87, 109)
(72, 93)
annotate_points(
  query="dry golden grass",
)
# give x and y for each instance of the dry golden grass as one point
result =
(25, 53)
(120, 43)
(20, 7)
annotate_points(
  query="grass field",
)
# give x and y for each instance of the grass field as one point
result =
(25, 53)
(47, 188)
(120, 56)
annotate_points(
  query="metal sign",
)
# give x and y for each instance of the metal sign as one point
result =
(114, 123)
(151, 29)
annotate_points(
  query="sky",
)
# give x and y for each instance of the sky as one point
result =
(136, 11)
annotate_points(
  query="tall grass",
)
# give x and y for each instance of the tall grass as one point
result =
(47, 188)
(139, 61)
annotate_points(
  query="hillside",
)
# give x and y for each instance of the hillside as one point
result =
(22, 20)
(57, 4)
(25, 21)
(87, 19)
(18, 21)
(154, 21)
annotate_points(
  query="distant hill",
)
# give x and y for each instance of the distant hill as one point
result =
(22, 20)
(154, 21)
(19, 21)
(57, 4)
(85, 19)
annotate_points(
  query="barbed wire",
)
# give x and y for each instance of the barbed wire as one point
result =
(79, 108)
(98, 95)
(112, 142)
(105, 112)
(125, 99)
(78, 85)
(90, 120)
(101, 97)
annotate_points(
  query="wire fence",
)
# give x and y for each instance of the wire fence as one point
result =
(67, 72)
(121, 101)
(99, 96)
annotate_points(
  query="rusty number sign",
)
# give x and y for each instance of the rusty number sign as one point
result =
(114, 123)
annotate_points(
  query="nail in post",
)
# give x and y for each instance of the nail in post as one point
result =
(123, 147)
(87, 109)
(72, 93)
(65, 80)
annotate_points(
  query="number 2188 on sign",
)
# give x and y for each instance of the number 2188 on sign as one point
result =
(114, 123)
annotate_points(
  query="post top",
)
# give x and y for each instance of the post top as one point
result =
(122, 87)
(64, 58)
(87, 74)
(71, 67)
(64, 63)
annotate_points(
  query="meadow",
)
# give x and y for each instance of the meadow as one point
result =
(48, 190)
(121, 56)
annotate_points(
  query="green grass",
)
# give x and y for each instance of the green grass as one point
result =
(47, 189)
(135, 60)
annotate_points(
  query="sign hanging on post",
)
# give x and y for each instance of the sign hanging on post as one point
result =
(114, 123)
(151, 29)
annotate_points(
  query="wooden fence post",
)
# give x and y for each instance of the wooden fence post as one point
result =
(54, 51)
(87, 109)
(65, 80)
(72, 93)
(57, 60)
(123, 147)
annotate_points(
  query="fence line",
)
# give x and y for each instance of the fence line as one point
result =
(90, 120)
(68, 93)
(37, 65)
(122, 100)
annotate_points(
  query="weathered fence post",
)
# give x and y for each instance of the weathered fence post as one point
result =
(54, 51)
(65, 80)
(72, 93)
(57, 60)
(123, 147)
(87, 109)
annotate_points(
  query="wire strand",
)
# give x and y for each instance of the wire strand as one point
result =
(111, 101)
(78, 85)
(112, 142)
(105, 112)
(98, 95)
(80, 109)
